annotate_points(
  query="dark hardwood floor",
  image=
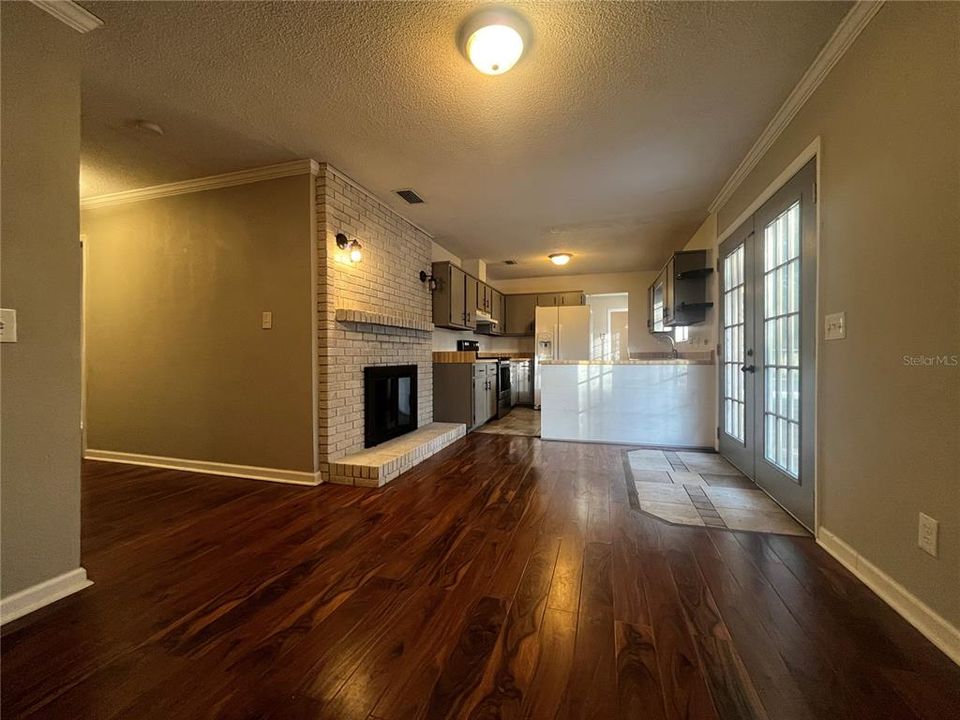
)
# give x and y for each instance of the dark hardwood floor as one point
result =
(504, 577)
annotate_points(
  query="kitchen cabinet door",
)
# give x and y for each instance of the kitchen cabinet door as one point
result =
(521, 314)
(496, 311)
(572, 297)
(481, 408)
(449, 298)
(492, 394)
(669, 290)
(548, 300)
(472, 289)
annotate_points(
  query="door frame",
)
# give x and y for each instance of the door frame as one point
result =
(811, 152)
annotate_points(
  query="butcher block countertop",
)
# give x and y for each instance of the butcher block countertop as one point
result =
(463, 356)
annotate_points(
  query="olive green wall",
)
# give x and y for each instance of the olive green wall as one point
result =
(40, 407)
(889, 431)
(177, 363)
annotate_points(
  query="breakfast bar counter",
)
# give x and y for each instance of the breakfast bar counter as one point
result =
(636, 402)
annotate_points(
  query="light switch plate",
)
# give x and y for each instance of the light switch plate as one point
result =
(266, 320)
(929, 530)
(835, 326)
(8, 325)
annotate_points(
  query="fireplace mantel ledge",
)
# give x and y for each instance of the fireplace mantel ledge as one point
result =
(364, 317)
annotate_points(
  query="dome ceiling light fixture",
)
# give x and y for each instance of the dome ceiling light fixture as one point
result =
(494, 39)
(560, 258)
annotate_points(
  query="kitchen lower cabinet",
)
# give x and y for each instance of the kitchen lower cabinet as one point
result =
(465, 393)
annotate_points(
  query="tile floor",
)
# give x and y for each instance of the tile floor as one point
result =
(519, 421)
(701, 489)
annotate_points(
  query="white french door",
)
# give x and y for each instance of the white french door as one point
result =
(767, 355)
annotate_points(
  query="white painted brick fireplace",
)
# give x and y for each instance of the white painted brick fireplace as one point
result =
(384, 310)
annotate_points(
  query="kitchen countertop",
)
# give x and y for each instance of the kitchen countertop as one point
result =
(658, 361)
(467, 356)
(504, 355)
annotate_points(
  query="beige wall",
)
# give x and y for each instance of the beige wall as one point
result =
(635, 284)
(177, 363)
(889, 444)
(40, 470)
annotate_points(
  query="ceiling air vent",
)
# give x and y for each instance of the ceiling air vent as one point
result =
(509, 262)
(410, 196)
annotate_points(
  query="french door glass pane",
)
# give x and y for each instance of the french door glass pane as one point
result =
(733, 354)
(781, 333)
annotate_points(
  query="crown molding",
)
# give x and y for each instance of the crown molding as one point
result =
(847, 31)
(211, 182)
(69, 13)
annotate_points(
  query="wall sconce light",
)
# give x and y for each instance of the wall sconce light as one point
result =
(352, 246)
(430, 280)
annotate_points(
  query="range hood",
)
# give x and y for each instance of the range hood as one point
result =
(485, 318)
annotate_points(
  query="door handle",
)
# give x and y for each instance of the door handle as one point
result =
(748, 368)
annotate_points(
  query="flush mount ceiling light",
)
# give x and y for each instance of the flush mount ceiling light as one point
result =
(353, 246)
(560, 258)
(494, 40)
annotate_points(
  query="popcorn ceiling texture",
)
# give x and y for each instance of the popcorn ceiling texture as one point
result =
(608, 139)
(383, 287)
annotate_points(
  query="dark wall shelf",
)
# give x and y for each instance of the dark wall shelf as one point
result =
(694, 274)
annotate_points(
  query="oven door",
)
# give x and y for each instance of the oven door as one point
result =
(504, 377)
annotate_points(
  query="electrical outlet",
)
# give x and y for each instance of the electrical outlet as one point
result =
(929, 529)
(835, 326)
(8, 325)
(266, 320)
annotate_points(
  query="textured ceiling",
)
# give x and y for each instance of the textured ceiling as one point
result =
(608, 139)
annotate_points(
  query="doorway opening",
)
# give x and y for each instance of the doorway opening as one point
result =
(609, 326)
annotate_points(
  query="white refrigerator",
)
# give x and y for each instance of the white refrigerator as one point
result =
(562, 333)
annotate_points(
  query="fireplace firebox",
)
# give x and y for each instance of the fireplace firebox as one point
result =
(390, 402)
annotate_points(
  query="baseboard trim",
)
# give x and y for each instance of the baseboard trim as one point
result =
(933, 627)
(42, 594)
(251, 472)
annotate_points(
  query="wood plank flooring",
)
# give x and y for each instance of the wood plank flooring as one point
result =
(505, 577)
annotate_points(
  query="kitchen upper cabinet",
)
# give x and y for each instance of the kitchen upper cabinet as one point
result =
(496, 311)
(450, 296)
(459, 296)
(567, 297)
(678, 296)
(558, 299)
(485, 298)
(575, 297)
(655, 304)
(473, 304)
(520, 314)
